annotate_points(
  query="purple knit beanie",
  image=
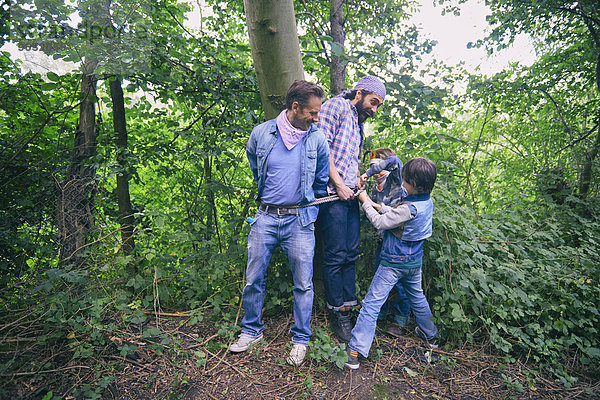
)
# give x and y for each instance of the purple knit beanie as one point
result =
(371, 84)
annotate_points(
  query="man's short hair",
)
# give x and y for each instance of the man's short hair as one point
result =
(301, 91)
(421, 173)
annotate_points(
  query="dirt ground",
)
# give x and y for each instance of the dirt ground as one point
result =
(194, 363)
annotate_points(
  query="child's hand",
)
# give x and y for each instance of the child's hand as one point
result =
(363, 179)
(364, 197)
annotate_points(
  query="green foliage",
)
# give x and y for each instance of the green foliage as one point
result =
(324, 349)
(525, 282)
(33, 123)
(512, 263)
(371, 47)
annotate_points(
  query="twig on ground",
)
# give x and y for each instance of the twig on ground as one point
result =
(48, 371)
(239, 372)
(208, 339)
(287, 322)
(131, 362)
(167, 314)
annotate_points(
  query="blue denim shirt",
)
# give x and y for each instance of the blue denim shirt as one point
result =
(415, 231)
(314, 165)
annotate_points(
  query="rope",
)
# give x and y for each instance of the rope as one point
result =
(320, 200)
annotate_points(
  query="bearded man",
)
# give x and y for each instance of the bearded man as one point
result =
(341, 120)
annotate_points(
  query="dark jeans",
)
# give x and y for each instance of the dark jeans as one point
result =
(339, 228)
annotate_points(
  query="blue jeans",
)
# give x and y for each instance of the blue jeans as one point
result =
(384, 280)
(339, 227)
(398, 303)
(298, 244)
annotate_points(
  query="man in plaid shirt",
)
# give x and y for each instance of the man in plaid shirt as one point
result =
(341, 120)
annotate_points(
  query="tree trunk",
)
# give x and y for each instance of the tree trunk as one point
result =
(124, 200)
(275, 50)
(337, 69)
(585, 178)
(76, 192)
(211, 215)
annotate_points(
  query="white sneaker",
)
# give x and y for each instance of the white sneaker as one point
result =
(297, 354)
(243, 342)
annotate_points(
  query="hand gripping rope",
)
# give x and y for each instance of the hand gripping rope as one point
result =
(320, 200)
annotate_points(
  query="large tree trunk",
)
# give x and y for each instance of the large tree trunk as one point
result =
(585, 179)
(77, 190)
(212, 216)
(124, 200)
(337, 69)
(275, 50)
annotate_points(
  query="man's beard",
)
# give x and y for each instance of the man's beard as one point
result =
(363, 113)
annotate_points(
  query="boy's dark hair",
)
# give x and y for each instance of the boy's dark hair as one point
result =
(421, 173)
(301, 91)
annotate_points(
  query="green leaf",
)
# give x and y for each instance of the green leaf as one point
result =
(322, 60)
(52, 76)
(48, 86)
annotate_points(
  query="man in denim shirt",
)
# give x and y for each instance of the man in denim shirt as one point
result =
(289, 159)
(341, 120)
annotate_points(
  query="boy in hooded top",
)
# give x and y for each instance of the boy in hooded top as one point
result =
(386, 168)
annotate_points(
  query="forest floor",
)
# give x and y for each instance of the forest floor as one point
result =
(194, 363)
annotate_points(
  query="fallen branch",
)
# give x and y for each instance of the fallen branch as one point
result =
(167, 314)
(131, 362)
(47, 371)
(203, 342)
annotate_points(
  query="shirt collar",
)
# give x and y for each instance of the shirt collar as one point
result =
(417, 197)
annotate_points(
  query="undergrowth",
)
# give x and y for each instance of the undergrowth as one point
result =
(523, 282)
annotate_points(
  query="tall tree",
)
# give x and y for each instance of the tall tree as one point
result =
(275, 50)
(568, 38)
(124, 199)
(77, 189)
(47, 29)
(337, 67)
(115, 38)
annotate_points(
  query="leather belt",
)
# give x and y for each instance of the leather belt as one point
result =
(277, 210)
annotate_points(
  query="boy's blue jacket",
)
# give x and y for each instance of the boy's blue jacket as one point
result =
(410, 247)
(406, 226)
(314, 164)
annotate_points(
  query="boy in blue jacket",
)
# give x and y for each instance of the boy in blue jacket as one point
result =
(406, 226)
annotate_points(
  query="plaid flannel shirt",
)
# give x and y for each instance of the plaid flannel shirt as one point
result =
(338, 120)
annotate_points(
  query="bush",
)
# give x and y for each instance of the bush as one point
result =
(524, 282)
